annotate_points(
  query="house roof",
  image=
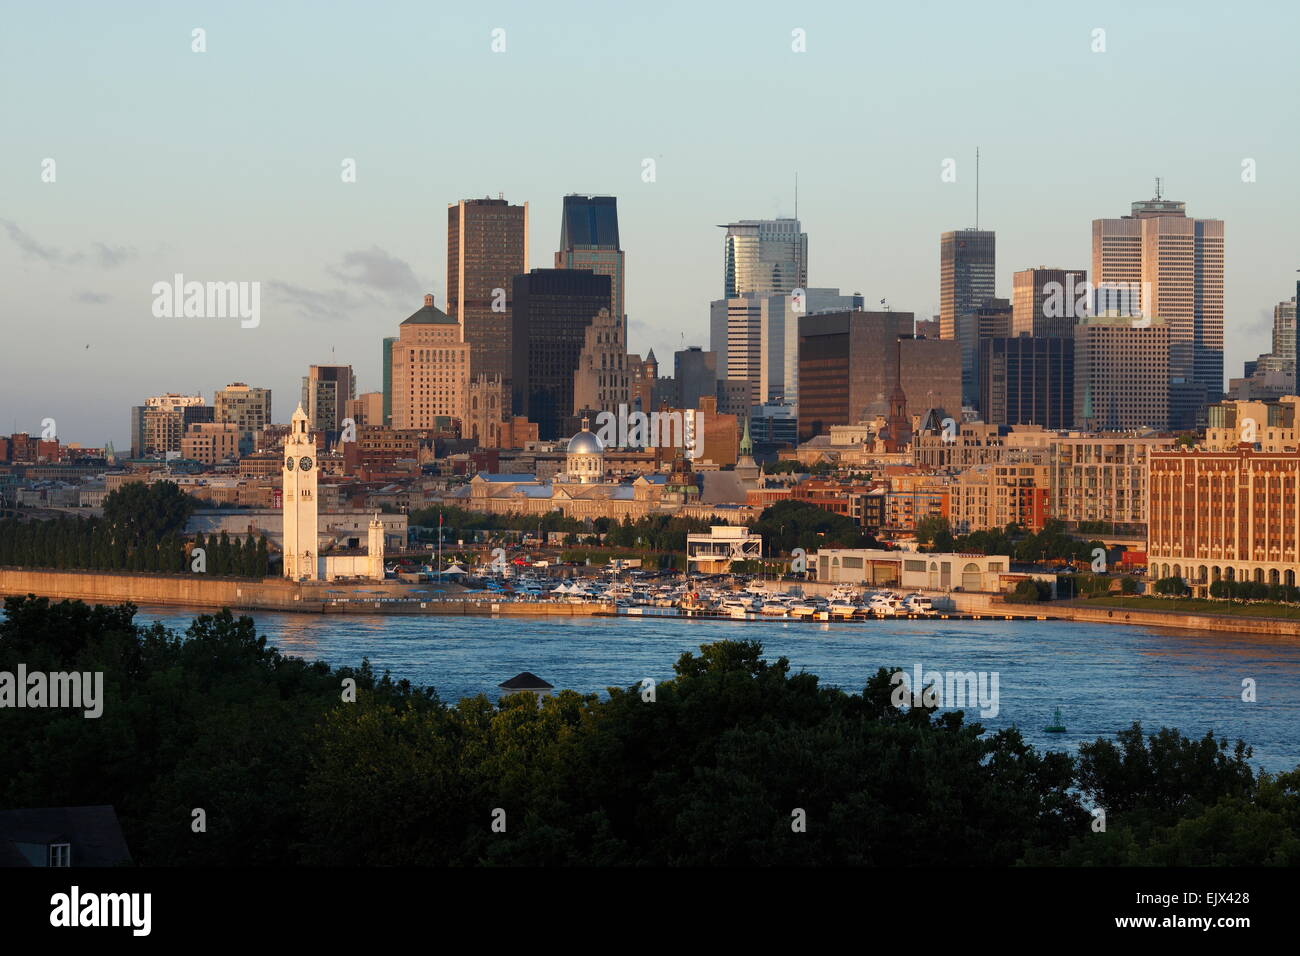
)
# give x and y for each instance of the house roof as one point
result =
(94, 832)
(525, 681)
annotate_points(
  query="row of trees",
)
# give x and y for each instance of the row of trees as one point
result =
(143, 529)
(708, 773)
(1052, 543)
(791, 524)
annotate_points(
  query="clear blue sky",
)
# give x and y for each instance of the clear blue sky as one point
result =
(225, 165)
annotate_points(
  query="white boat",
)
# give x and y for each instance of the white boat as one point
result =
(775, 608)
(842, 609)
(804, 609)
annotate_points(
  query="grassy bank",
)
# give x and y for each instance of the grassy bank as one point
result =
(1195, 606)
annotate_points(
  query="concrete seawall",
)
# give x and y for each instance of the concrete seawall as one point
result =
(267, 594)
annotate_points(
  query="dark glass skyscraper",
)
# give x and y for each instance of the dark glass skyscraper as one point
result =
(589, 240)
(551, 311)
(1027, 380)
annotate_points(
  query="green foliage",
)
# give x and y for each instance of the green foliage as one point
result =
(708, 774)
(1172, 586)
(1029, 591)
(792, 524)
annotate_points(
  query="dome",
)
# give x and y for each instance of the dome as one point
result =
(585, 443)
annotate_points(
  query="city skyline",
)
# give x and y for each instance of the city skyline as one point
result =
(230, 192)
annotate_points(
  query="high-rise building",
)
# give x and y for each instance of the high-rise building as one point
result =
(602, 383)
(389, 342)
(989, 319)
(756, 338)
(1175, 264)
(431, 369)
(248, 408)
(158, 425)
(1121, 374)
(367, 409)
(764, 257)
(487, 246)
(589, 240)
(850, 363)
(696, 374)
(326, 391)
(552, 309)
(966, 275)
(1046, 301)
(1027, 380)
(967, 259)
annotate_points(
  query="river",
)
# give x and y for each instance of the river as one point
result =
(1101, 677)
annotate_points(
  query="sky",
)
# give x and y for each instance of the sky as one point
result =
(227, 164)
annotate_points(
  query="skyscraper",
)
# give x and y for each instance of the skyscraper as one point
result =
(756, 338)
(487, 246)
(1027, 380)
(1121, 374)
(551, 313)
(966, 282)
(1176, 265)
(430, 369)
(764, 257)
(1046, 301)
(851, 362)
(589, 240)
(966, 275)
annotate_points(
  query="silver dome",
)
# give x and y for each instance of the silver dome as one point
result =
(585, 443)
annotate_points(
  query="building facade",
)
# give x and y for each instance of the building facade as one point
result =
(487, 246)
(430, 369)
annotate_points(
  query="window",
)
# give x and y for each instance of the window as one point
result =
(60, 854)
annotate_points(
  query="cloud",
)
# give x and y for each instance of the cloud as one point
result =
(376, 269)
(32, 249)
(372, 279)
(94, 298)
(109, 257)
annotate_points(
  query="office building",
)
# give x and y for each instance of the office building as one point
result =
(589, 240)
(1175, 264)
(764, 257)
(696, 374)
(1026, 380)
(430, 369)
(1048, 301)
(850, 363)
(552, 311)
(326, 391)
(487, 246)
(1121, 374)
(966, 275)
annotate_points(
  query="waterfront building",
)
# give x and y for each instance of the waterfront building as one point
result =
(1231, 515)
(910, 569)
(245, 407)
(723, 545)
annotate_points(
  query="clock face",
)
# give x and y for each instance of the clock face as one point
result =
(304, 463)
(288, 464)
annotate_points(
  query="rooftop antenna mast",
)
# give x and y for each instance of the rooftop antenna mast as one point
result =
(796, 195)
(977, 188)
(1157, 187)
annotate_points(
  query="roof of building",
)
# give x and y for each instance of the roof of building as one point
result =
(586, 443)
(525, 681)
(93, 832)
(429, 314)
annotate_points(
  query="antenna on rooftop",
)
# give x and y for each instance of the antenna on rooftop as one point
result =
(977, 187)
(796, 195)
(1157, 187)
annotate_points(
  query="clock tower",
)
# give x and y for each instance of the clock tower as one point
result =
(299, 501)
